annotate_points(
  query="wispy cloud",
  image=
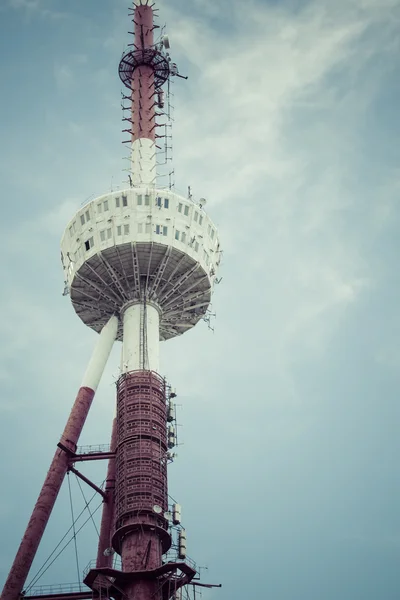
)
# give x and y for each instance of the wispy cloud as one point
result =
(35, 8)
(278, 127)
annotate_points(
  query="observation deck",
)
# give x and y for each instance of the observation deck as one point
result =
(144, 245)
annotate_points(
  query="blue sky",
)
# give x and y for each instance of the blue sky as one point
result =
(288, 125)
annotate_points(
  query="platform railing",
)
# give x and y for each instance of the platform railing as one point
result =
(93, 449)
(58, 588)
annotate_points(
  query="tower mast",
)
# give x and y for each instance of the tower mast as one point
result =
(139, 266)
(143, 98)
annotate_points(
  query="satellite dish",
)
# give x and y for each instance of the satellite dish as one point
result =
(108, 552)
(165, 41)
(157, 509)
(203, 201)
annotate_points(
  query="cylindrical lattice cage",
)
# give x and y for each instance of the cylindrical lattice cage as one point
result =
(141, 477)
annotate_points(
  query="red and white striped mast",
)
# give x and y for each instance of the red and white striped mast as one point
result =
(143, 100)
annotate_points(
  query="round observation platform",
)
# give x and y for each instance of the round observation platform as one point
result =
(145, 245)
(151, 57)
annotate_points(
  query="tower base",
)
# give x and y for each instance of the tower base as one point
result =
(157, 584)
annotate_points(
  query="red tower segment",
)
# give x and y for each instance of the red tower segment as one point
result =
(141, 530)
(104, 554)
(143, 90)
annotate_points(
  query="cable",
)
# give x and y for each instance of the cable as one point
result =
(87, 505)
(37, 576)
(63, 548)
(73, 527)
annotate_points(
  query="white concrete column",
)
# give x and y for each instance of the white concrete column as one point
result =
(100, 354)
(141, 338)
(143, 162)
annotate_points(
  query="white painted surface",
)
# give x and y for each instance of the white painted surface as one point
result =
(141, 337)
(100, 354)
(137, 219)
(176, 514)
(143, 162)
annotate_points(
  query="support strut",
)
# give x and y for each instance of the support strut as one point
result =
(104, 559)
(59, 466)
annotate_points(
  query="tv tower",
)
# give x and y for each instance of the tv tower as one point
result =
(139, 266)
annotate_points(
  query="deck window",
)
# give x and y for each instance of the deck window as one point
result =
(89, 244)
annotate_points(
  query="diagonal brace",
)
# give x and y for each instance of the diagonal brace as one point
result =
(86, 480)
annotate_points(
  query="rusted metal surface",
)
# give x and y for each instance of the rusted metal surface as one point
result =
(87, 481)
(141, 498)
(144, 584)
(104, 559)
(141, 478)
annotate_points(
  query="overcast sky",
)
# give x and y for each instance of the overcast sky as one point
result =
(289, 126)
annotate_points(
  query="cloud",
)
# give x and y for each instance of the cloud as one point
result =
(36, 8)
(275, 127)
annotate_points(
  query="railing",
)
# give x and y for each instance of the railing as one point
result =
(169, 557)
(93, 449)
(172, 556)
(116, 564)
(59, 588)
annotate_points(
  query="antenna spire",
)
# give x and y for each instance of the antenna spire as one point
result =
(144, 70)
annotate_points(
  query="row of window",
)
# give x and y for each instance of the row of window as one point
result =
(123, 201)
(181, 237)
(160, 202)
(184, 209)
(106, 234)
(85, 217)
(141, 200)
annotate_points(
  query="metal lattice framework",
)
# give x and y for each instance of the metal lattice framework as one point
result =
(141, 271)
(150, 57)
(141, 456)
